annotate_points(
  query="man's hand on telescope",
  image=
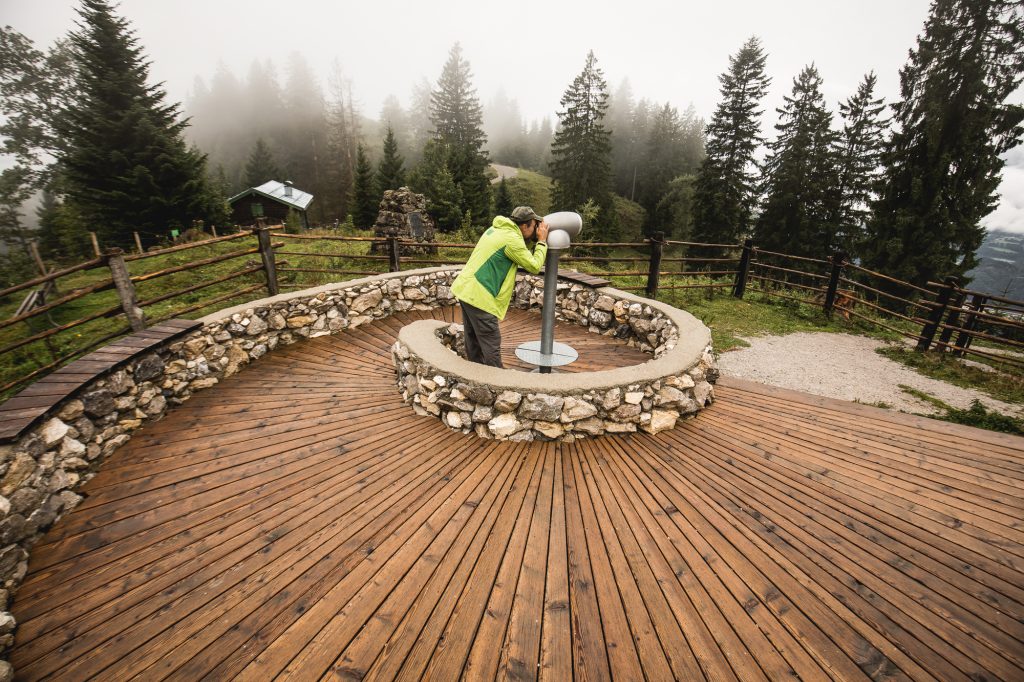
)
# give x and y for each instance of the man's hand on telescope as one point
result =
(542, 232)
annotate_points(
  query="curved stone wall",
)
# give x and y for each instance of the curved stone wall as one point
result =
(512, 405)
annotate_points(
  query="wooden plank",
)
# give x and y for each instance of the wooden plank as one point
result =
(406, 654)
(407, 584)
(660, 579)
(770, 523)
(858, 409)
(591, 653)
(660, 642)
(386, 648)
(304, 643)
(350, 537)
(453, 647)
(556, 646)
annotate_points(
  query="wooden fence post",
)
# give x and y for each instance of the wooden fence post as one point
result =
(963, 339)
(138, 242)
(838, 261)
(928, 331)
(394, 257)
(953, 320)
(657, 242)
(95, 244)
(125, 289)
(267, 254)
(41, 267)
(743, 271)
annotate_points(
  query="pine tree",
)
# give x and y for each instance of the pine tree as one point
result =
(726, 188)
(365, 197)
(390, 174)
(618, 119)
(858, 157)
(503, 199)
(674, 213)
(261, 165)
(126, 165)
(434, 179)
(457, 118)
(581, 151)
(342, 135)
(664, 160)
(799, 174)
(942, 164)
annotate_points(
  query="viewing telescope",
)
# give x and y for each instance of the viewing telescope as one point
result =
(562, 227)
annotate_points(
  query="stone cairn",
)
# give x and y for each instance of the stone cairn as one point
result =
(403, 214)
(651, 406)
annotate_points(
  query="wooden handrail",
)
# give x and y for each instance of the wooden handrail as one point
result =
(795, 272)
(186, 247)
(73, 296)
(202, 285)
(109, 312)
(94, 263)
(327, 237)
(891, 279)
(786, 255)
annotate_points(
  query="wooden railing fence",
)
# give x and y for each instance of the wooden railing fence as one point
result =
(943, 315)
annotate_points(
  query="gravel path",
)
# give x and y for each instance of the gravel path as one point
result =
(507, 172)
(846, 367)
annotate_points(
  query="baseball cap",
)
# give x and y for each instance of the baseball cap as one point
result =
(525, 213)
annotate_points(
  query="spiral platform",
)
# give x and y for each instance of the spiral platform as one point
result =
(299, 521)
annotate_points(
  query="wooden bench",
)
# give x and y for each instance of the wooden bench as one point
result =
(37, 400)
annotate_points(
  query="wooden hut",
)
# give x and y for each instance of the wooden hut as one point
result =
(271, 200)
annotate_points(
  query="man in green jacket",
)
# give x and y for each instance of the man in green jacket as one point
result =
(484, 287)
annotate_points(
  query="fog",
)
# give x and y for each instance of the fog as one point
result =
(524, 54)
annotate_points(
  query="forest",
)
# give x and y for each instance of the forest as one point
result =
(899, 186)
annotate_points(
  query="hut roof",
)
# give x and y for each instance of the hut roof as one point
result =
(272, 189)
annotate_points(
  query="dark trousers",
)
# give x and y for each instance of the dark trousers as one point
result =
(483, 337)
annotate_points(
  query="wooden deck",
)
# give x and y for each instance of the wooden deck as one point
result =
(299, 521)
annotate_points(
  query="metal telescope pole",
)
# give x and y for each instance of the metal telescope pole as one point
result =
(546, 353)
(547, 325)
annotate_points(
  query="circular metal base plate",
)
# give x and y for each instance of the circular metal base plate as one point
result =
(561, 354)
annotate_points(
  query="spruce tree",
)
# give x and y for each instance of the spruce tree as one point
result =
(799, 174)
(261, 165)
(365, 200)
(390, 174)
(581, 152)
(674, 213)
(457, 118)
(125, 163)
(664, 160)
(858, 157)
(726, 187)
(434, 179)
(503, 199)
(942, 164)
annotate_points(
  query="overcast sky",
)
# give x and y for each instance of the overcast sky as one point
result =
(670, 50)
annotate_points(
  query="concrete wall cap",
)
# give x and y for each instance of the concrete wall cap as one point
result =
(421, 339)
(221, 315)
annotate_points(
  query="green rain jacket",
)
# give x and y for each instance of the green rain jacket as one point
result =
(489, 276)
